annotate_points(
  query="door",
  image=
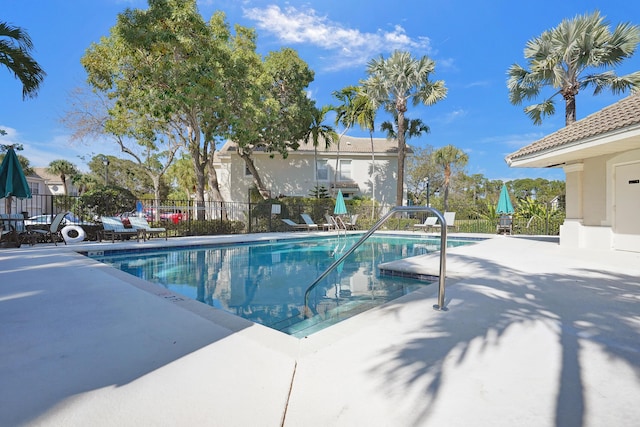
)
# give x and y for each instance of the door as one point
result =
(626, 213)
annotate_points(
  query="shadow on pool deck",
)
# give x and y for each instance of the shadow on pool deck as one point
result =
(535, 335)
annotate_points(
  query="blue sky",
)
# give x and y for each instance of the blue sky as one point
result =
(473, 44)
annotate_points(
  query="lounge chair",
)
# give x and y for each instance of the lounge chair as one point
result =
(54, 233)
(113, 227)
(450, 219)
(330, 224)
(351, 224)
(140, 223)
(505, 224)
(294, 225)
(311, 225)
(427, 224)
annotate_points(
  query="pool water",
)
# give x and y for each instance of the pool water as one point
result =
(265, 282)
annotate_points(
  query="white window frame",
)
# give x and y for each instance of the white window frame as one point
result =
(344, 173)
(322, 166)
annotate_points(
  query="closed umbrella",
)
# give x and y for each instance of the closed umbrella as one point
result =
(341, 208)
(12, 180)
(504, 202)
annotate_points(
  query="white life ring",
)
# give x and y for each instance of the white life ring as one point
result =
(77, 230)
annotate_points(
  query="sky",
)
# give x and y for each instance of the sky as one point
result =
(473, 43)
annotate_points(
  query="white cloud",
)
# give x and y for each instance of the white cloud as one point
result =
(349, 47)
(454, 115)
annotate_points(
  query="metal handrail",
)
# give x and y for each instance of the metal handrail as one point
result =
(443, 246)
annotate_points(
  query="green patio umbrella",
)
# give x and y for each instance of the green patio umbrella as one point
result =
(12, 180)
(504, 202)
(341, 208)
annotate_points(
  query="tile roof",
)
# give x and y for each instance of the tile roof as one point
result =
(348, 144)
(622, 114)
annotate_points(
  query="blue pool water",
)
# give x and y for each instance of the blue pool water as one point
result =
(265, 282)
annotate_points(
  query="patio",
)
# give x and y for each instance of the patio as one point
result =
(535, 335)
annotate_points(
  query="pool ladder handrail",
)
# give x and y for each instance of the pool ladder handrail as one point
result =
(396, 209)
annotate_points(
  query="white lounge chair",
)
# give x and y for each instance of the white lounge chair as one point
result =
(351, 224)
(294, 225)
(140, 223)
(330, 224)
(311, 225)
(427, 224)
(113, 227)
(450, 219)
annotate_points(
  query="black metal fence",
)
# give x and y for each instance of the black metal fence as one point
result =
(189, 217)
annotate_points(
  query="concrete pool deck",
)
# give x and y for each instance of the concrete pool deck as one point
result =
(535, 335)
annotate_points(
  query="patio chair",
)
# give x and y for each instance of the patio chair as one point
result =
(505, 224)
(427, 224)
(311, 225)
(351, 224)
(330, 224)
(294, 225)
(140, 223)
(54, 233)
(113, 227)
(450, 219)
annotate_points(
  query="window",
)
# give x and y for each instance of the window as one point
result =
(322, 170)
(345, 170)
(35, 189)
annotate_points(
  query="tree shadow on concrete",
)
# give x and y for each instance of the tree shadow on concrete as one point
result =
(585, 305)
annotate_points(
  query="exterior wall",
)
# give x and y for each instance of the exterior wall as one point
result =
(591, 204)
(595, 192)
(295, 175)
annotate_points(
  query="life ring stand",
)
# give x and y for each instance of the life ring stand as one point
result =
(74, 229)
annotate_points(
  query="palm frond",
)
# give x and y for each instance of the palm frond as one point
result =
(537, 112)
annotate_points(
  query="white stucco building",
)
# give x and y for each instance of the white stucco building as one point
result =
(600, 155)
(298, 174)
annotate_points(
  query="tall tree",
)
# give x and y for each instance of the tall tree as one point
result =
(395, 81)
(449, 158)
(564, 57)
(275, 112)
(315, 133)
(422, 174)
(15, 54)
(91, 116)
(63, 169)
(365, 115)
(167, 65)
(346, 115)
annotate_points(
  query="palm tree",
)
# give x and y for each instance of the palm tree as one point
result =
(316, 131)
(562, 58)
(345, 116)
(15, 45)
(393, 82)
(63, 169)
(365, 116)
(414, 128)
(449, 157)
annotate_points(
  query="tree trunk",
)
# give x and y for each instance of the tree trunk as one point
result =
(198, 167)
(215, 187)
(373, 177)
(401, 157)
(447, 179)
(570, 110)
(266, 194)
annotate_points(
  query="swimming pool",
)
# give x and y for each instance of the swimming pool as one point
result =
(265, 282)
